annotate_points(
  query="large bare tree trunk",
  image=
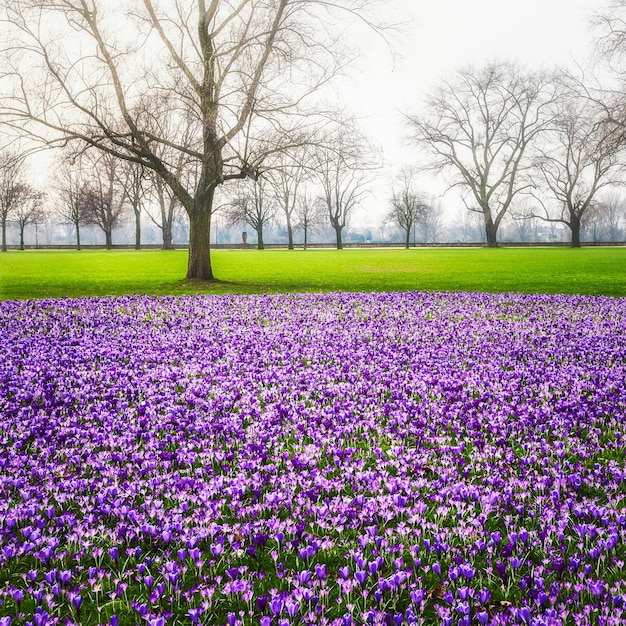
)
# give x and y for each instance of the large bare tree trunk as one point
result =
(167, 236)
(137, 230)
(574, 225)
(491, 231)
(289, 233)
(77, 225)
(199, 265)
(4, 235)
(339, 239)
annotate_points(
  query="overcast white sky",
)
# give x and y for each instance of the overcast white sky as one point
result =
(445, 35)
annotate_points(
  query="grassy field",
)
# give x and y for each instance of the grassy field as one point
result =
(47, 274)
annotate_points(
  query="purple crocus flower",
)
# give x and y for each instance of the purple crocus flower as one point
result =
(18, 596)
(276, 605)
(292, 608)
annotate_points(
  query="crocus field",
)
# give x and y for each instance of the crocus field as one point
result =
(344, 459)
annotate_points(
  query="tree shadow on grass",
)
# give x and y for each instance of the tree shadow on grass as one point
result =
(217, 286)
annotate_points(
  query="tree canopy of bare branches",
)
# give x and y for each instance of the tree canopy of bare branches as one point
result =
(14, 191)
(254, 206)
(342, 163)
(29, 210)
(287, 176)
(104, 196)
(72, 194)
(478, 126)
(406, 204)
(205, 79)
(580, 158)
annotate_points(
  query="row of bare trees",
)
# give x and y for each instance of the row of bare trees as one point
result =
(503, 134)
(20, 202)
(89, 189)
(320, 182)
(100, 189)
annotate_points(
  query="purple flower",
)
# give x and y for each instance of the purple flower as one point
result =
(276, 605)
(18, 596)
(596, 587)
(261, 602)
(484, 595)
(523, 614)
(467, 571)
(245, 427)
(76, 599)
(292, 608)
(463, 593)
(320, 570)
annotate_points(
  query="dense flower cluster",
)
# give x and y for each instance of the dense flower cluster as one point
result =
(333, 459)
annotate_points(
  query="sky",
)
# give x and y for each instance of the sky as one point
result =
(442, 36)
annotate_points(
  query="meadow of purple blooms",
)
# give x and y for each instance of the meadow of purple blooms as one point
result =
(339, 459)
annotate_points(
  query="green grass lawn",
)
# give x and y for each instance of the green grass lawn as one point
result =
(45, 274)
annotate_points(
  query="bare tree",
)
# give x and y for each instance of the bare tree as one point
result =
(479, 127)
(132, 177)
(72, 195)
(253, 206)
(309, 213)
(223, 71)
(341, 163)
(287, 174)
(28, 210)
(580, 158)
(429, 220)
(407, 204)
(104, 197)
(12, 188)
(169, 209)
(612, 211)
